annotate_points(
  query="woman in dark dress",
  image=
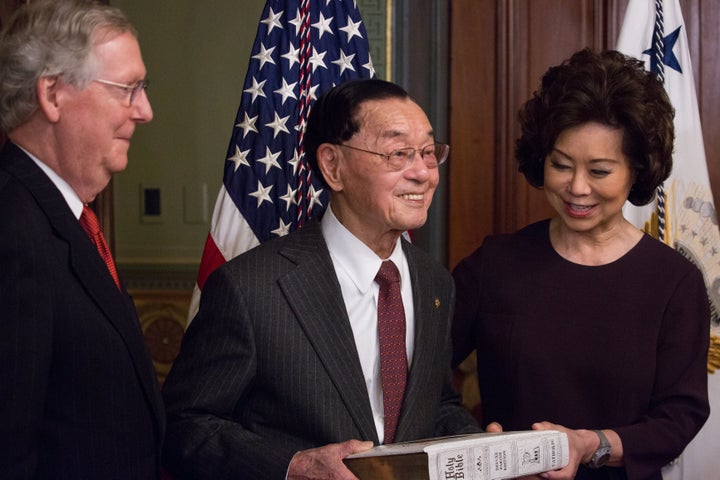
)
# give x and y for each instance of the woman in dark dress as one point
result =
(583, 322)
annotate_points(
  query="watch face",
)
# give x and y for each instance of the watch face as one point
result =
(600, 457)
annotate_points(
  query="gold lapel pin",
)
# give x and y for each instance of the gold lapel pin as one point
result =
(437, 302)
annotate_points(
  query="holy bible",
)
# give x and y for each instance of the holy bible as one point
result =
(478, 456)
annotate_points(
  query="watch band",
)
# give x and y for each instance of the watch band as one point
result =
(602, 454)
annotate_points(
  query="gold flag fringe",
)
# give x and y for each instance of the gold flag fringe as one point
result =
(714, 354)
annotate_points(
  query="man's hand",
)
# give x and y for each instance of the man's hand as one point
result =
(325, 463)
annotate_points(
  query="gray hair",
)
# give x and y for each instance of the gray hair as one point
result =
(50, 38)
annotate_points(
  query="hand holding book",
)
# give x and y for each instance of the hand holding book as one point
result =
(480, 456)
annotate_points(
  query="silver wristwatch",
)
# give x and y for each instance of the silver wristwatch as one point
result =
(602, 454)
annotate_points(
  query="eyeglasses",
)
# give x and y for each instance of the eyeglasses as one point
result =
(433, 155)
(133, 89)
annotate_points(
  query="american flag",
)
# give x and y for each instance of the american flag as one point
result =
(301, 49)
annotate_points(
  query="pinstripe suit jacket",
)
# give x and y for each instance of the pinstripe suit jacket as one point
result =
(78, 395)
(269, 366)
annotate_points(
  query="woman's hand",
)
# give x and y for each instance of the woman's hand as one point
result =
(582, 444)
(494, 427)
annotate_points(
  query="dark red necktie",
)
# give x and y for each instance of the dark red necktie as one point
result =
(90, 223)
(393, 356)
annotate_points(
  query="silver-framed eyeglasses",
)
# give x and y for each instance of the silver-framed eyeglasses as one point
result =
(133, 88)
(433, 155)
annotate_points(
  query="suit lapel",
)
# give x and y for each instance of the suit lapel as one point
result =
(90, 269)
(313, 292)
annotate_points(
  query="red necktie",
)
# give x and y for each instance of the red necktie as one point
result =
(393, 355)
(90, 223)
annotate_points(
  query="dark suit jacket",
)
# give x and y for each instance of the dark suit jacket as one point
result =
(269, 365)
(78, 394)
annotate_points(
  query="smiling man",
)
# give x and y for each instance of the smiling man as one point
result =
(79, 395)
(289, 365)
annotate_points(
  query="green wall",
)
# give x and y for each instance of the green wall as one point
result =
(196, 58)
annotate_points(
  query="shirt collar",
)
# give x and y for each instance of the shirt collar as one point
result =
(352, 255)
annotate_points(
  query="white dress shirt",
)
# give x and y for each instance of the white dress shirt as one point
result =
(356, 266)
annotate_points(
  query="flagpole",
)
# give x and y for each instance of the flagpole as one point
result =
(388, 39)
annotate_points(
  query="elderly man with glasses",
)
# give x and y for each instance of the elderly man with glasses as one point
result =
(335, 337)
(78, 393)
